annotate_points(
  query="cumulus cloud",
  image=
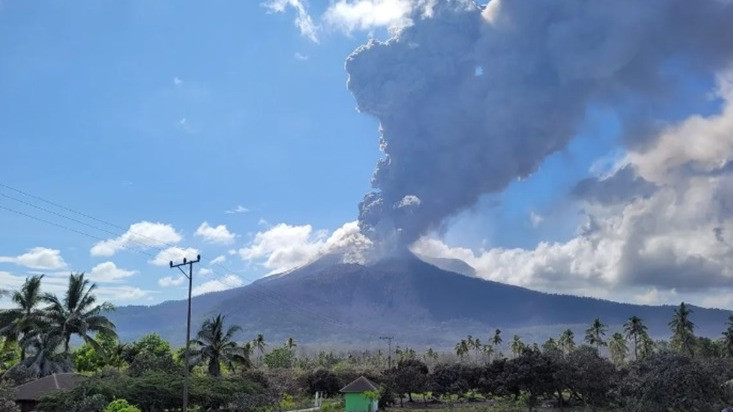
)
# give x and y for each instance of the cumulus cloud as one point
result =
(219, 234)
(227, 282)
(141, 235)
(303, 20)
(284, 247)
(175, 254)
(171, 281)
(38, 258)
(109, 272)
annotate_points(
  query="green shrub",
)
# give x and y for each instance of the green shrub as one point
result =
(121, 405)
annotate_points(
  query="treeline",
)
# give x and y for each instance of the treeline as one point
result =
(624, 370)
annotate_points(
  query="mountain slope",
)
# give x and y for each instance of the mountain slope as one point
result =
(418, 303)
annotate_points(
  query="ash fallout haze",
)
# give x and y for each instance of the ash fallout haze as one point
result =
(564, 146)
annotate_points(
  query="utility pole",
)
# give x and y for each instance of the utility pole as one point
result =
(389, 354)
(189, 275)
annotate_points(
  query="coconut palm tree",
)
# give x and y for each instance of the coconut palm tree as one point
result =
(496, 340)
(78, 313)
(461, 348)
(594, 335)
(247, 350)
(728, 337)
(567, 341)
(683, 337)
(26, 317)
(517, 346)
(617, 348)
(290, 343)
(635, 329)
(214, 344)
(43, 358)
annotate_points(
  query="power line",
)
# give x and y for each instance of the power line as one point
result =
(263, 292)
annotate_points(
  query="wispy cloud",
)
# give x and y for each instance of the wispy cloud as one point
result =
(303, 20)
(238, 209)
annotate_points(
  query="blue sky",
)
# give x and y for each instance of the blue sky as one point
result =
(170, 114)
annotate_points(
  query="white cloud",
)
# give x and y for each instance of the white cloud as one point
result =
(219, 234)
(177, 81)
(38, 258)
(408, 201)
(369, 14)
(109, 272)
(175, 254)
(205, 272)
(535, 219)
(303, 20)
(284, 247)
(141, 235)
(216, 285)
(300, 56)
(218, 260)
(122, 294)
(171, 281)
(654, 296)
(238, 209)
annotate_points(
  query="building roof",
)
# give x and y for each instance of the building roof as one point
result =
(361, 384)
(34, 390)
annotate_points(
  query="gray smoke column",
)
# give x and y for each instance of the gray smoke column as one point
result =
(472, 98)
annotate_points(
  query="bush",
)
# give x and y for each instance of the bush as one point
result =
(121, 405)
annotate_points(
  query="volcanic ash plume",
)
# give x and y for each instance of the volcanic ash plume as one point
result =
(471, 98)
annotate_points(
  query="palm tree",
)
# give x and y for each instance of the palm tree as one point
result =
(77, 313)
(26, 317)
(567, 341)
(290, 343)
(683, 337)
(247, 350)
(594, 335)
(215, 345)
(517, 346)
(728, 337)
(43, 358)
(635, 329)
(647, 346)
(496, 340)
(617, 348)
(461, 348)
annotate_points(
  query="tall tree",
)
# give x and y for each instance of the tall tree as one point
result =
(26, 317)
(43, 357)
(517, 346)
(496, 340)
(462, 348)
(567, 341)
(215, 344)
(617, 348)
(635, 329)
(728, 337)
(683, 336)
(290, 343)
(595, 333)
(78, 314)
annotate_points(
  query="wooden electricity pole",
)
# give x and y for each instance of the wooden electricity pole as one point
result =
(189, 275)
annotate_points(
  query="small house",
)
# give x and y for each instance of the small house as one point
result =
(28, 394)
(359, 396)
